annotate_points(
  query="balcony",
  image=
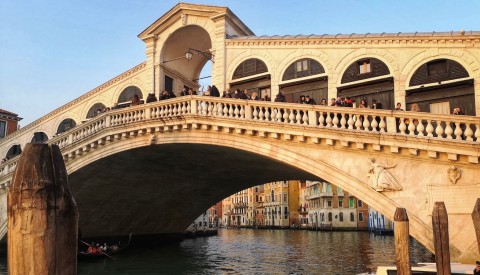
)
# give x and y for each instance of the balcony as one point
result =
(326, 194)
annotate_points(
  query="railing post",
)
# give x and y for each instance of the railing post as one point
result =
(391, 124)
(402, 242)
(148, 113)
(248, 111)
(108, 121)
(440, 238)
(476, 221)
(70, 139)
(193, 106)
(312, 117)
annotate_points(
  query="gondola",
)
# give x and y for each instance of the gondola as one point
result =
(112, 250)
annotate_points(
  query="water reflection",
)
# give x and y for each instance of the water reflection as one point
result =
(246, 251)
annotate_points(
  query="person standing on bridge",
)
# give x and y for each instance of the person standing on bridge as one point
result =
(135, 100)
(476, 271)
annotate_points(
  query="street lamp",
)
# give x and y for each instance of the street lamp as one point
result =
(189, 55)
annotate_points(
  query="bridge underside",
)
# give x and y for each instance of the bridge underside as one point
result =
(162, 188)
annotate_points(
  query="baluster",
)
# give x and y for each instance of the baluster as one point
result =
(350, 121)
(439, 130)
(402, 127)
(230, 112)
(184, 108)
(382, 124)
(411, 128)
(291, 117)
(298, 117)
(305, 118)
(375, 123)
(448, 130)
(343, 121)
(273, 114)
(358, 122)
(210, 108)
(236, 111)
(220, 110)
(477, 132)
(267, 114)
(255, 113)
(366, 123)
(468, 132)
(429, 128)
(279, 116)
(335, 120)
(458, 131)
(420, 129)
(175, 109)
(225, 109)
(329, 119)
(321, 119)
(261, 114)
(242, 111)
(199, 108)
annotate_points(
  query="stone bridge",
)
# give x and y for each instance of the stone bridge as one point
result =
(151, 168)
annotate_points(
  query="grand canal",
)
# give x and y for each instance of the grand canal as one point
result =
(247, 251)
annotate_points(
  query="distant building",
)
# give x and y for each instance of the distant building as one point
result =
(378, 223)
(8, 123)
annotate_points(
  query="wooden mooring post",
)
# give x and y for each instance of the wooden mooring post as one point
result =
(402, 242)
(42, 215)
(476, 221)
(441, 238)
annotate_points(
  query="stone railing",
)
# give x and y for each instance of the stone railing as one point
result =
(438, 127)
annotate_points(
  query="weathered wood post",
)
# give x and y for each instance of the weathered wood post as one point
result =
(402, 242)
(441, 238)
(42, 215)
(476, 221)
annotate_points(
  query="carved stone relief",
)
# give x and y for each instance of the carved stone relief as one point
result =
(380, 179)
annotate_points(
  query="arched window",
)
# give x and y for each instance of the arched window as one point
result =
(95, 110)
(352, 217)
(39, 137)
(438, 70)
(363, 69)
(341, 216)
(273, 196)
(127, 94)
(330, 216)
(14, 151)
(302, 68)
(66, 125)
(250, 67)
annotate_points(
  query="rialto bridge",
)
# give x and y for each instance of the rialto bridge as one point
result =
(151, 168)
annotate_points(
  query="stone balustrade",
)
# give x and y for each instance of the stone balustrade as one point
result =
(423, 125)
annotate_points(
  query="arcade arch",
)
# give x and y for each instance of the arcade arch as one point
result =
(125, 97)
(96, 109)
(440, 85)
(368, 79)
(39, 137)
(66, 125)
(252, 74)
(305, 76)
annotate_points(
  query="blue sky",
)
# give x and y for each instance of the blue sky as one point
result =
(52, 52)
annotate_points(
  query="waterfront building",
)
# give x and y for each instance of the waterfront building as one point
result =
(255, 204)
(329, 207)
(8, 125)
(235, 210)
(277, 204)
(302, 204)
(200, 224)
(227, 211)
(378, 223)
(215, 215)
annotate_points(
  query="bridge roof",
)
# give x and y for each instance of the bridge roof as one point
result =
(174, 14)
(364, 35)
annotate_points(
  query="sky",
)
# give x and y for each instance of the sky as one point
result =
(53, 51)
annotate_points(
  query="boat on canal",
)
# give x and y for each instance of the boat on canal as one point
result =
(428, 269)
(97, 252)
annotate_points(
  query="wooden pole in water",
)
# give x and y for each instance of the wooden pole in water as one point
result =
(402, 242)
(441, 238)
(476, 221)
(42, 215)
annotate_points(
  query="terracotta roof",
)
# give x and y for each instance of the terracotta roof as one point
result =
(365, 35)
(7, 112)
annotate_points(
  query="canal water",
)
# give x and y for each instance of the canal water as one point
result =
(247, 251)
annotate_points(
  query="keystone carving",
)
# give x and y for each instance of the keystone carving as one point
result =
(153, 139)
(380, 179)
(454, 174)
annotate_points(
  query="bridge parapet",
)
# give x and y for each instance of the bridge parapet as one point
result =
(446, 132)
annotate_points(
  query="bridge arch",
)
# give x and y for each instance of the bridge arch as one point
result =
(269, 150)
